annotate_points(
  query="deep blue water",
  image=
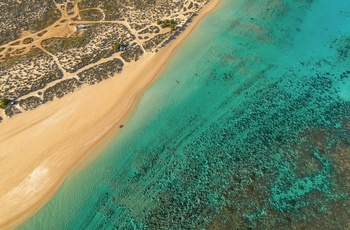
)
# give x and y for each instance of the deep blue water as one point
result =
(248, 127)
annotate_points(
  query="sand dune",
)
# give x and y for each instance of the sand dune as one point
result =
(40, 147)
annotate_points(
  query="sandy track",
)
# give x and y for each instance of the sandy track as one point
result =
(40, 147)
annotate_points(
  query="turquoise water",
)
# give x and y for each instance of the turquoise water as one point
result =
(248, 127)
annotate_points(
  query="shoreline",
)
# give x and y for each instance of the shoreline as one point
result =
(51, 141)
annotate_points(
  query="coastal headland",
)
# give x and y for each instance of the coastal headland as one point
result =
(39, 147)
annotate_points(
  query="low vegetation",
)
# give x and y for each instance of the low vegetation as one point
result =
(116, 46)
(11, 110)
(132, 54)
(101, 72)
(155, 41)
(30, 102)
(91, 15)
(21, 16)
(20, 76)
(3, 103)
(167, 23)
(61, 88)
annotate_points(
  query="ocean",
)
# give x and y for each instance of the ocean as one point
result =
(247, 128)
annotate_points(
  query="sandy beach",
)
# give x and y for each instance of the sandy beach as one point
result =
(39, 148)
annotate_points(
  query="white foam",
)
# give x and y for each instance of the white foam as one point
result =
(23, 194)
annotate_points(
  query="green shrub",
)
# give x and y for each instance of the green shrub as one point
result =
(167, 23)
(116, 46)
(3, 103)
(172, 27)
